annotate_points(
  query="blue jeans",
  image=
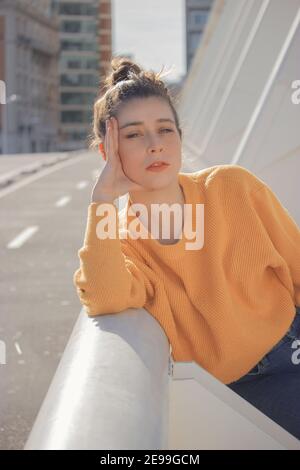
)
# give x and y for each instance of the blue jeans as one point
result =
(273, 385)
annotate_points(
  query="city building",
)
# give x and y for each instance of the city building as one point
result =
(29, 48)
(85, 55)
(196, 15)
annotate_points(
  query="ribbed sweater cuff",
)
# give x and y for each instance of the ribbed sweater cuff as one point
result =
(90, 237)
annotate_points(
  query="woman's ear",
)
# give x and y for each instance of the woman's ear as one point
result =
(102, 151)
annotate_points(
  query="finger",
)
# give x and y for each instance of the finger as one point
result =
(111, 142)
(111, 139)
(115, 134)
(107, 145)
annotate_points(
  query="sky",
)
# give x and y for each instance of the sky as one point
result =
(153, 31)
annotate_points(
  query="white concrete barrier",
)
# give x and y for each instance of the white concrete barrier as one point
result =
(240, 103)
(110, 390)
(117, 387)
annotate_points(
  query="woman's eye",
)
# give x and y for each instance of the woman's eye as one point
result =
(132, 135)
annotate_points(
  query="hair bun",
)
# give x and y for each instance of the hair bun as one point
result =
(122, 69)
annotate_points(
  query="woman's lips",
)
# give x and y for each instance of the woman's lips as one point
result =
(158, 168)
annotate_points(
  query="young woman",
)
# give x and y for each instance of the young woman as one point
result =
(229, 301)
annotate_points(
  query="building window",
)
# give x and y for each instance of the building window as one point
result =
(197, 18)
(74, 62)
(76, 116)
(79, 80)
(78, 26)
(72, 8)
(78, 98)
(79, 45)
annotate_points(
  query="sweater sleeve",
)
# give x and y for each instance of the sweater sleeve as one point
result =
(282, 230)
(111, 277)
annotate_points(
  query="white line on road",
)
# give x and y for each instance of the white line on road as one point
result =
(41, 174)
(19, 351)
(63, 201)
(20, 239)
(82, 184)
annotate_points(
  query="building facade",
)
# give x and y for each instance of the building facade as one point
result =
(85, 39)
(29, 51)
(196, 15)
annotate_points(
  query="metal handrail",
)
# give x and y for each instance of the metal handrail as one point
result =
(110, 390)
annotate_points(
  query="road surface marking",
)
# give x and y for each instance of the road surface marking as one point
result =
(20, 239)
(19, 351)
(41, 174)
(63, 201)
(82, 184)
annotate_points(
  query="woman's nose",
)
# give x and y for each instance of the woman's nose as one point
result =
(154, 144)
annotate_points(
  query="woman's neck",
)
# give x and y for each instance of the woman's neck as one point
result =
(168, 195)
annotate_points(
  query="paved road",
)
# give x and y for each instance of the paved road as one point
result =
(42, 219)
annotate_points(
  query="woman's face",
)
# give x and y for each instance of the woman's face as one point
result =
(142, 144)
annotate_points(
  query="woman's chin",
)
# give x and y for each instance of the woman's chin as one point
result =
(152, 181)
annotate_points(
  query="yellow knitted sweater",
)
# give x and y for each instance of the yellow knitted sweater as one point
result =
(224, 305)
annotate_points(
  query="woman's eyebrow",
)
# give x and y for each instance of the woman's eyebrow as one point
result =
(137, 123)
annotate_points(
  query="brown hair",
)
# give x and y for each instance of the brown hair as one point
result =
(127, 81)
